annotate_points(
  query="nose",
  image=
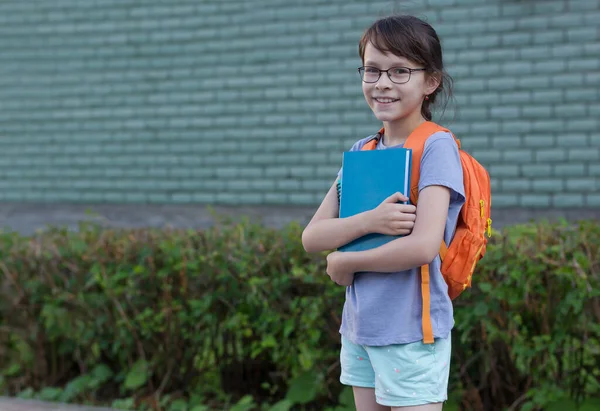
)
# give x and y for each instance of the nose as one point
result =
(384, 82)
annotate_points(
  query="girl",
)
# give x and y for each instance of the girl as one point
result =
(383, 357)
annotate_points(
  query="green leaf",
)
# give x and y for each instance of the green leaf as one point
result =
(50, 394)
(123, 404)
(137, 376)
(200, 408)
(178, 405)
(283, 405)
(303, 389)
(12, 370)
(26, 394)
(561, 405)
(75, 387)
(347, 397)
(592, 404)
(245, 404)
(101, 372)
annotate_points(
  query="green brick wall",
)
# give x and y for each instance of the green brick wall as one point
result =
(121, 101)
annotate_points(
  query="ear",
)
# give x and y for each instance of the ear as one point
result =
(432, 83)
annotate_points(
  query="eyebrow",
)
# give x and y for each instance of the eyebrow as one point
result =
(398, 64)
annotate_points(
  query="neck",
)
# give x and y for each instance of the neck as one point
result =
(396, 132)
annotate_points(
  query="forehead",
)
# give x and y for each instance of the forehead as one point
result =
(376, 57)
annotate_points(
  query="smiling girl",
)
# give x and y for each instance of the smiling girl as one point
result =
(383, 355)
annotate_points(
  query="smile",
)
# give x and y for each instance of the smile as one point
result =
(385, 100)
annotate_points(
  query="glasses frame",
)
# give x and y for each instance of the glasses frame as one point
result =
(361, 71)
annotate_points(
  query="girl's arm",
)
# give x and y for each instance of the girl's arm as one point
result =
(326, 231)
(418, 248)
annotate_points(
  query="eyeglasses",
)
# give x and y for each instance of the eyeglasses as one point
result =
(398, 75)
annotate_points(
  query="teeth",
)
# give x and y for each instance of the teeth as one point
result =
(385, 100)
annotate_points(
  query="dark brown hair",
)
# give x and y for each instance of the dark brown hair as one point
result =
(414, 39)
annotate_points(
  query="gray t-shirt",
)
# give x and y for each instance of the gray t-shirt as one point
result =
(385, 308)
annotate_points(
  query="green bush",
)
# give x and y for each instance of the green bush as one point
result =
(239, 316)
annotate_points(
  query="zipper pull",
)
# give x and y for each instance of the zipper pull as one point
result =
(489, 227)
(482, 205)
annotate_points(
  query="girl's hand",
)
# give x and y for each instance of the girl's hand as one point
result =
(338, 269)
(391, 218)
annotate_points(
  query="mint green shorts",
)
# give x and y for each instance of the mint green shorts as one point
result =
(402, 374)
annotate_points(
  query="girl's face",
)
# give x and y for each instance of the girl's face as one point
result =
(392, 102)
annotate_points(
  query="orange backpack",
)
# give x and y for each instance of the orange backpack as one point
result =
(469, 243)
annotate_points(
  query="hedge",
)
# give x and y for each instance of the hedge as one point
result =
(240, 317)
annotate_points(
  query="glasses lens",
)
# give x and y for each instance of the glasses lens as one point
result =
(399, 74)
(370, 74)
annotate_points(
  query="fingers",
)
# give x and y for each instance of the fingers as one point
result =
(407, 208)
(396, 198)
(399, 228)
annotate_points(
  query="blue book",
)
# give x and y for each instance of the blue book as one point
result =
(368, 178)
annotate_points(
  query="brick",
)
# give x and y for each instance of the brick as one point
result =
(502, 84)
(572, 140)
(582, 34)
(486, 156)
(504, 141)
(276, 198)
(548, 96)
(535, 200)
(533, 82)
(453, 14)
(569, 170)
(548, 67)
(536, 170)
(581, 184)
(570, 50)
(516, 39)
(485, 70)
(566, 20)
(486, 127)
(567, 80)
(592, 79)
(549, 7)
(548, 37)
(501, 25)
(548, 185)
(471, 143)
(516, 185)
(505, 112)
(517, 68)
(591, 17)
(570, 200)
(504, 200)
(582, 125)
(550, 155)
(516, 126)
(584, 65)
(548, 126)
(589, 154)
(471, 56)
(504, 170)
(490, 40)
(533, 23)
(537, 111)
(472, 114)
(517, 156)
(592, 200)
(503, 55)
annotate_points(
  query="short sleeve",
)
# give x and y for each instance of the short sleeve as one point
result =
(441, 166)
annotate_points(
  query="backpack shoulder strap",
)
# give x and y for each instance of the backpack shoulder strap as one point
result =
(371, 144)
(416, 142)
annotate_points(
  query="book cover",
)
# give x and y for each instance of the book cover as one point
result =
(369, 177)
